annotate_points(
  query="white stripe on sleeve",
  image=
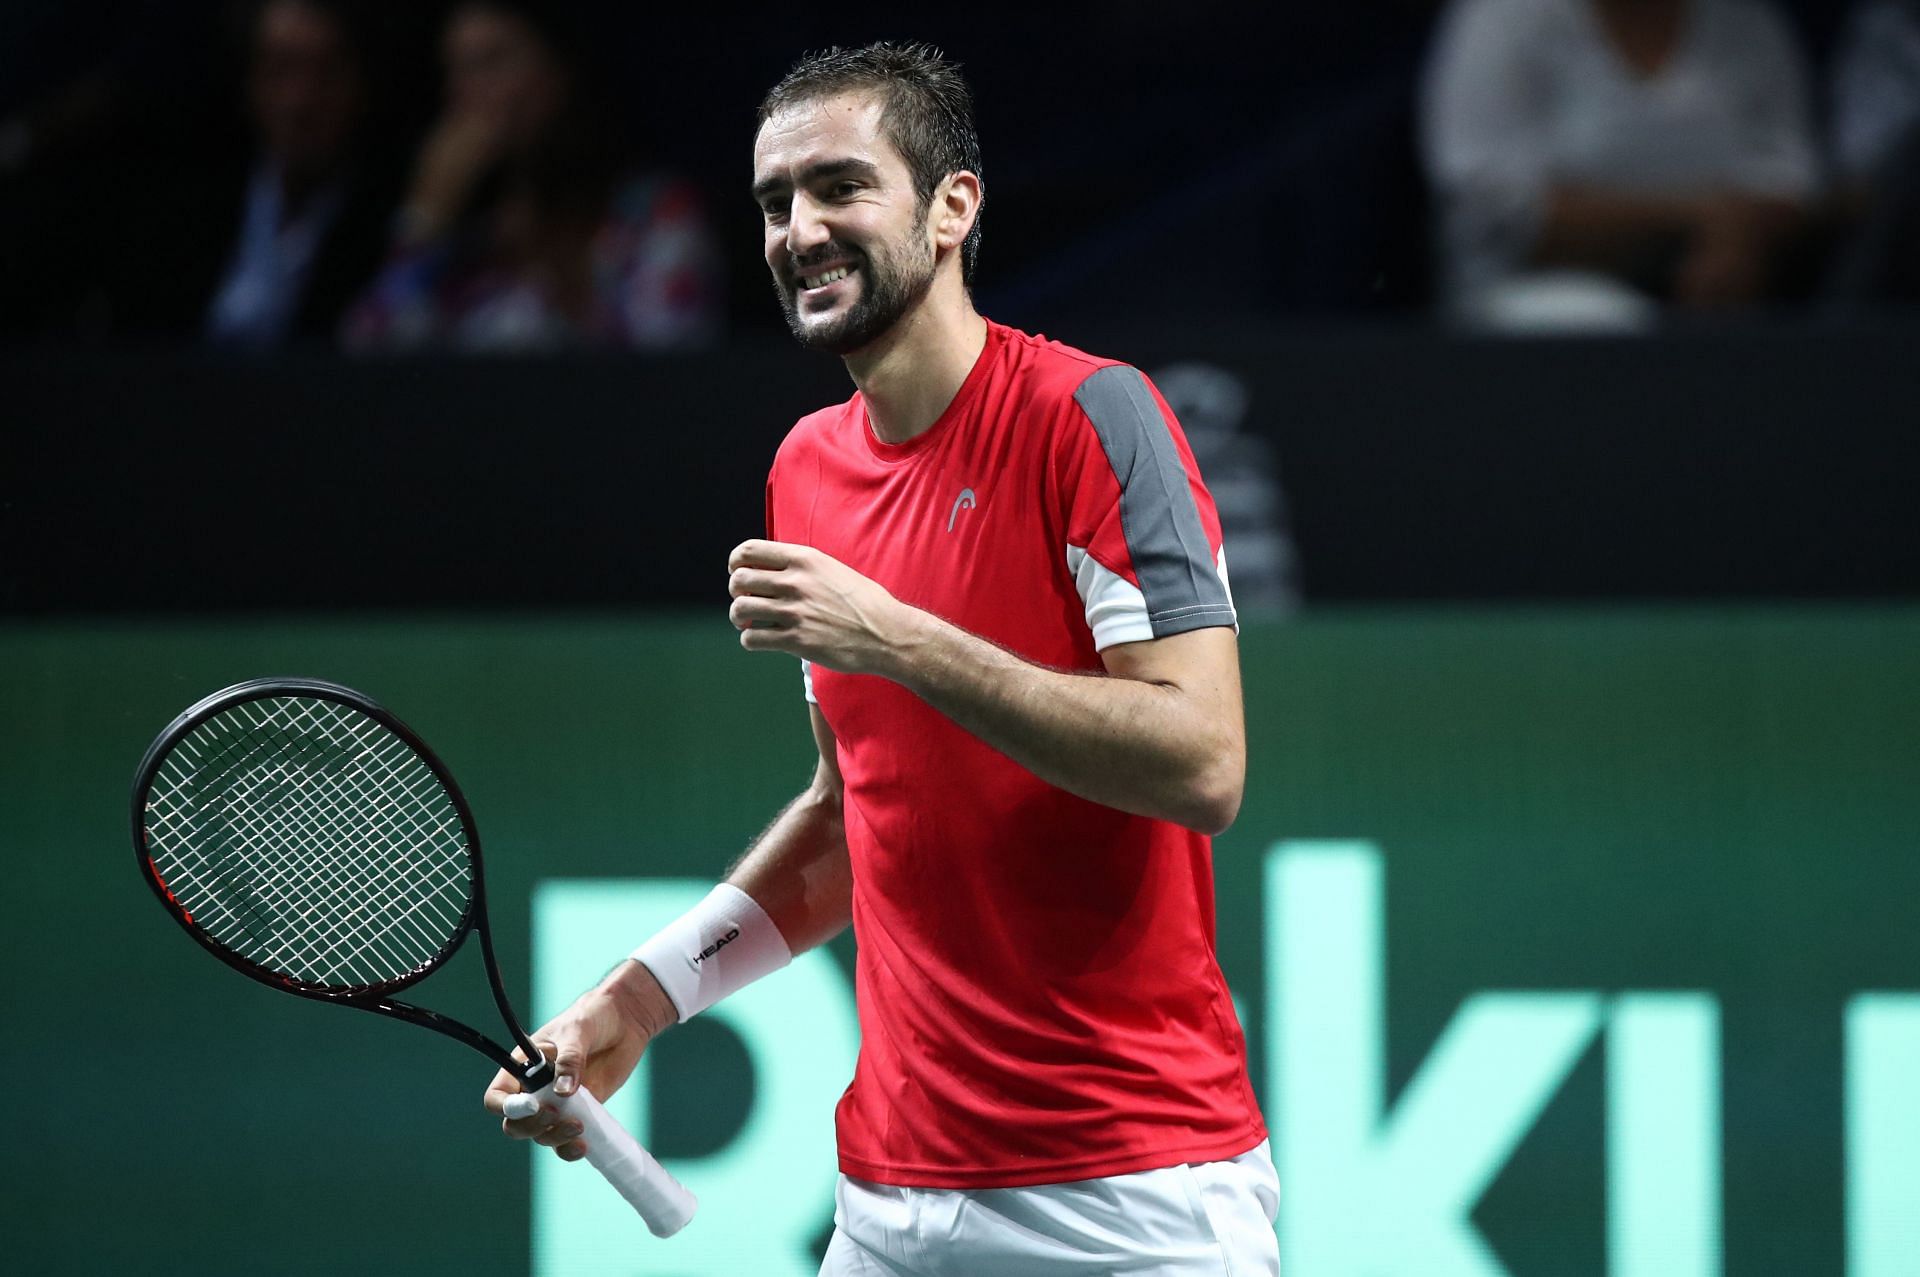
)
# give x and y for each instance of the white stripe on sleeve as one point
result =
(1116, 610)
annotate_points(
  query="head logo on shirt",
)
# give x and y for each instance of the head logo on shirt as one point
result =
(965, 501)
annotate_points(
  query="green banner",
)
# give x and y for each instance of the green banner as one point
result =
(1567, 943)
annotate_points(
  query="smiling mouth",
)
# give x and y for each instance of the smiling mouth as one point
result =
(810, 282)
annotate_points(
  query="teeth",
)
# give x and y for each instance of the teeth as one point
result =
(821, 281)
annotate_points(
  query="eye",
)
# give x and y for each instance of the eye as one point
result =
(845, 188)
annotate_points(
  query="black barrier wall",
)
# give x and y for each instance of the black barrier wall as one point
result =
(1414, 467)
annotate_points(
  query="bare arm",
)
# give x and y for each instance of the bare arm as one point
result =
(798, 871)
(1713, 248)
(1613, 231)
(1163, 735)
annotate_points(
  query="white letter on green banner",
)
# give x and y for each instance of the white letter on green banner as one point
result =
(1883, 1135)
(1365, 1193)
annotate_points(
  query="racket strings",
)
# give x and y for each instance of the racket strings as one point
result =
(316, 880)
(259, 903)
(312, 841)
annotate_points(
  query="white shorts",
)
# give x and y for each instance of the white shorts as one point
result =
(1212, 1218)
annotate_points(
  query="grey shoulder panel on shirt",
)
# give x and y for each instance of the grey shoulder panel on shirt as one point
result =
(1167, 541)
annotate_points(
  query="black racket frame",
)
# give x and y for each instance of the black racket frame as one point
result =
(374, 998)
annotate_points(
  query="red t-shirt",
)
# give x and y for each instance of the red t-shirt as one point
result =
(1038, 993)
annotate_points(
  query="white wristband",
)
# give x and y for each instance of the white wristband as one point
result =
(718, 947)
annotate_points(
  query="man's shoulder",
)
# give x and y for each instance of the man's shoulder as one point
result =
(1052, 367)
(817, 428)
(1065, 385)
(1095, 395)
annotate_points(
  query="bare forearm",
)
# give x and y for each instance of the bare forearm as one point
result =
(1148, 747)
(799, 872)
(1164, 736)
(1613, 231)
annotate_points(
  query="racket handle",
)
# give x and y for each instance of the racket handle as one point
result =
(661, 1199)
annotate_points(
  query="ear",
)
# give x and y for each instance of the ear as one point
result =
(956, 203)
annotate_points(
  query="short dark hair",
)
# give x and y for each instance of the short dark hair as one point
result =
(926, 111)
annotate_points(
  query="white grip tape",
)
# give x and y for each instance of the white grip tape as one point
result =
(663, 1202)
(718, 947)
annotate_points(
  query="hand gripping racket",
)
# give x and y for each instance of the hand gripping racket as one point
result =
(309, 839)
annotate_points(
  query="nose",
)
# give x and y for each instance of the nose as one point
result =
(806, 229)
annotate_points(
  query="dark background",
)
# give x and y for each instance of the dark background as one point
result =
(1151, 159)
(1741, 464)
(1233, 184)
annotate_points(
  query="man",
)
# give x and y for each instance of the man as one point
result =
(314, 213)
(1002, 575)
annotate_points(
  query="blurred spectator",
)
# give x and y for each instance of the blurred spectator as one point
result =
(522, 229)
(216, 182)
(1594, 158)
(313, 215)
(1876, 146)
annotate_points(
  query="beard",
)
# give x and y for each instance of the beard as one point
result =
(891, 282)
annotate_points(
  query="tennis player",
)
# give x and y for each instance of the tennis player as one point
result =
(1004, 580)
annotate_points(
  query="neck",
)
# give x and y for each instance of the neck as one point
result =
(912, 372)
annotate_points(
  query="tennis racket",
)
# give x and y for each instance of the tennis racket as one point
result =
(308, 839)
